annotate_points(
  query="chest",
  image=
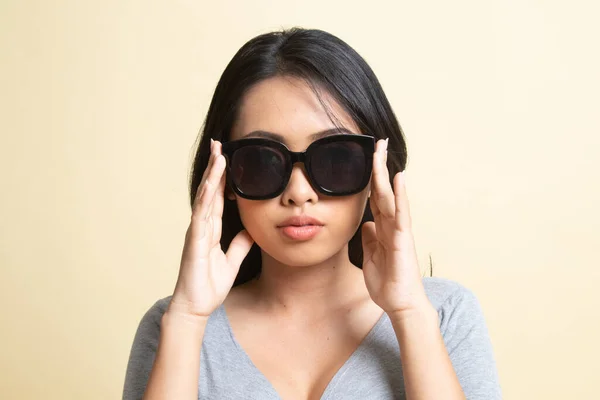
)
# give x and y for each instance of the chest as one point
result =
(301, 367)
(300, 363)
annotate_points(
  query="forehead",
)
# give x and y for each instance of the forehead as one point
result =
(289, 108)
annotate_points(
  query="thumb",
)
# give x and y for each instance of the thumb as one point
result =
(239, 248)
(369, 240)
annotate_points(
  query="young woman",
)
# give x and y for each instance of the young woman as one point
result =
(299, 278)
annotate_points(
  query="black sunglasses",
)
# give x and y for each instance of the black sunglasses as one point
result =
(336, 165)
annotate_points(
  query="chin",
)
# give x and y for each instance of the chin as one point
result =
(303, 254)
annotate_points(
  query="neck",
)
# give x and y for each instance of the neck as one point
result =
(309, 290)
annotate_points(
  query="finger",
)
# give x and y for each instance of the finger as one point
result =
(210, 187)
(403, 218)
(374, 209)
(218, 200)
(382, 191)
(239, 248)
(200, 188)
(216, 206)
(216, 225)
(369, 240)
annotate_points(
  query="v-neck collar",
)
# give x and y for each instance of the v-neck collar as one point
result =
(337, 377)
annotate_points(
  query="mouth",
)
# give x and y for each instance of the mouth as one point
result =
(300, 220)
(300, 232)
(300, 227)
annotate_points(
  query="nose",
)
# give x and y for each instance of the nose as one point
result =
(298, 190)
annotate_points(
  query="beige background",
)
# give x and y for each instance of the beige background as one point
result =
(100, 104)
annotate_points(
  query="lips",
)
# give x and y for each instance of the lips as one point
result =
(301, 227)
(301, 220)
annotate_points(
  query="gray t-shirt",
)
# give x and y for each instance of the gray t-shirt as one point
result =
(373, 371)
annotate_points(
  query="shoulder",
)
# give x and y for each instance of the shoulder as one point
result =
(143, 350)
(440, 290)
(154, 314)
(459, 311)
(444, 292)
(457, 305)
(148, 328)
(466, 337)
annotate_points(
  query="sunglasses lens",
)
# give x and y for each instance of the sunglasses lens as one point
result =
(339, 167)
(258, 171)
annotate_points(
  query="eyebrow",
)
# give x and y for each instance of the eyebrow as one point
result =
(314, 136)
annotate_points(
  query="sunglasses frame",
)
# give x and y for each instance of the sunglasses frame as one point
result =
(366, 142)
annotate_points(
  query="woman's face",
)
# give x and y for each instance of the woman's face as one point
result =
(288, 107)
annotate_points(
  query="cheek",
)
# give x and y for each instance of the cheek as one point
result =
(254, 216)
(355, 204)
(359, 207)
(347, 213)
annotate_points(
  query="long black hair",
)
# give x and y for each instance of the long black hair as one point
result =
(327, 64)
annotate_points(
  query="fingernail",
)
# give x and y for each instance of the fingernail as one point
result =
(386, 143)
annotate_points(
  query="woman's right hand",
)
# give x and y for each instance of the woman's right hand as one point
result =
(206, 274)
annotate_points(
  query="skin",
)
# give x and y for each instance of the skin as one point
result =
(311, 308)
(299, 278)
(309, 295)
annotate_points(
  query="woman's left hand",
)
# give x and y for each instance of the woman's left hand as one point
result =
(390, 266)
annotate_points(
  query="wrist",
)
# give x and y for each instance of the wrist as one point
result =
(182, 305)
(409, 302)
(422, 311)
(178, 317)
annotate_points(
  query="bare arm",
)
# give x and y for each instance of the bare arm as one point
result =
(428, 371)
(393, 278)
(206, 275)
(177, 365)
